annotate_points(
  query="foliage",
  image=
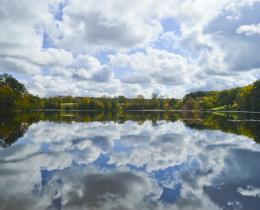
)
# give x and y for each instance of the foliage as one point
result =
(9, 81)
(245, 99)
(14, 95)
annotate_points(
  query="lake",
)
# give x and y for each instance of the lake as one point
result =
(131, 160)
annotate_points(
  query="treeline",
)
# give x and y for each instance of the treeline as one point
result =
(104, 103)
(242, 99)
(14, 95)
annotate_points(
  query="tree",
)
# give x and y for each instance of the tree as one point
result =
(7, 97)
(196, 94)
(256, 96)
(17, 87)
(228, 97)
(190, 104)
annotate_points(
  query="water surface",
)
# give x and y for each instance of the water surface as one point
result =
(141, 160)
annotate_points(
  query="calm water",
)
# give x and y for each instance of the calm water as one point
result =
(139, 161)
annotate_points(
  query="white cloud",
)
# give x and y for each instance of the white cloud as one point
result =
(153, 68)
(21, 39)
(249, 191)
(85, 76)
(110, 24)
(124, 46)
(249, 29)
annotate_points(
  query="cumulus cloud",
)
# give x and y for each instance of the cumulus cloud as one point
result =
(236, 51)
(129, 46)
(154, 67)
(22, 38)
(249, 29)
(249, 191)
(84, 76)
(109, 24)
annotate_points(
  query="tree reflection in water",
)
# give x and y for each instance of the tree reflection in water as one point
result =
(14, 125)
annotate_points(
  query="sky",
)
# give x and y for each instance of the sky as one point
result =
(130, 47)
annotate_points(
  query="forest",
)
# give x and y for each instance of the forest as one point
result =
(15, 96)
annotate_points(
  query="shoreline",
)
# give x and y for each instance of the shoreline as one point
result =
(143, 110)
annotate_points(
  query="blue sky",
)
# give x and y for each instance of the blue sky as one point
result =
(90, 48)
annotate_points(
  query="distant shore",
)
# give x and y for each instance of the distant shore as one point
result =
(135, 110)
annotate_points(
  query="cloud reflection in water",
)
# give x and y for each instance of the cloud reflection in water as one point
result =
(128, 166)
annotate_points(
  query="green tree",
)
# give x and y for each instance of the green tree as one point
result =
(17, 87)
(7, 97)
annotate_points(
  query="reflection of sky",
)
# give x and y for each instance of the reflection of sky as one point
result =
(129, 166)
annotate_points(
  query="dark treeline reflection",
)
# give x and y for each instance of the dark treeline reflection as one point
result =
(13, 125)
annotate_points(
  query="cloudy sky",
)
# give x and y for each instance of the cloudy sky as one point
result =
(130, 47)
